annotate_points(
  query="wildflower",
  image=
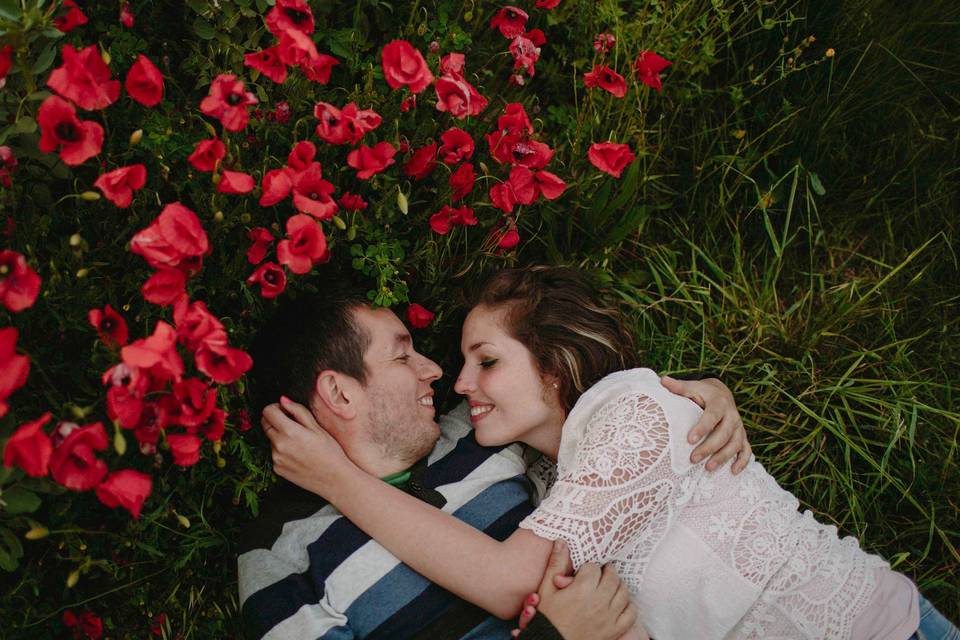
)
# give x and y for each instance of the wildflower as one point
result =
(6, 61)
(86, 626)
(172, 239)
(275, 186)
(462, 181)
(261, 239)
(126, 488)
(19, 284)
(610, 157)
(648, 67)
(60, 128)
(318, 68)
(511, 21)
(418, 316)
(525, 54)
(305, 244)
(29, 448)
(457, 145)
(118, 185)
(164, 287)
(268, 63)
(222, 363)
(145, 82)
(185, 449)
(84, 78)
(604, 42)
(207, 155)
(73, 462)
(14, 368)
(547, 4)
(442, 221)
(110, 326)
(126, 16)
(235, 182)
(228, 102)
(458, 97)
(607, 79)
(157, 354)
(271, 278)
(422, 163)
(281, 113)
(352, 202)
(404, 66)
(72, 19)
(312, 194)
(371, 160)
(290, 14)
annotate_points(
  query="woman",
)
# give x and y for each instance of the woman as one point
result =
(704, 555)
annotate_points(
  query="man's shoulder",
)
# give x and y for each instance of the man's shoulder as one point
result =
(284, 502)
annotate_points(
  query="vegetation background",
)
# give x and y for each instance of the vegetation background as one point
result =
(790, 220)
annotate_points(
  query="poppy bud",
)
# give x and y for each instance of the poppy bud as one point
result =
(73, 579)
(830, 52)
(221, 463)
(218, 216)
(82, 273)
(210, 129)
(119, 442)
(75, 240)
(105, 55)
(217, 446)
(38, 532)
(136, 136)
(402, 203)
(468, 16)
(244, 217)
(352, 232)
(184, 522)
(422, 29)
(340, 224)
(90, 196)
(216, 178)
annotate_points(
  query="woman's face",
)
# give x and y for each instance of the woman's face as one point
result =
(510, 401)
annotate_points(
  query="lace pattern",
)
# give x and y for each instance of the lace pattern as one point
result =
(620, 495)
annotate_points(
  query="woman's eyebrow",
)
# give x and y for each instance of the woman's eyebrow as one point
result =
(476, 346)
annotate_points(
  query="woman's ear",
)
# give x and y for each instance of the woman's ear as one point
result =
(336, 394)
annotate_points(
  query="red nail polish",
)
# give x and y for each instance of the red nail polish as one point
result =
(284, 400)
(530, 600)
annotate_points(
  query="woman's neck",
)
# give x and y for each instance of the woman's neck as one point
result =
(546, 438)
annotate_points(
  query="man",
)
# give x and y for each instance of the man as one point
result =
(305, 571)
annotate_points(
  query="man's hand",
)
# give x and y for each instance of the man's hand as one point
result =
(593, 605)
(721, 420)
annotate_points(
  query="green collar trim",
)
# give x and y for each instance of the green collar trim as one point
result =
(399, 479)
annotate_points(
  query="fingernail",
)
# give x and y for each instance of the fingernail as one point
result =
(284, 400)
(560, 545)
(529, 611)
(529, 601)
(696, 457)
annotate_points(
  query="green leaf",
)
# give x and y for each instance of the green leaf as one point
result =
(628, 188)
(5, 474)
(25, 124)
(816, 185)
(10, 550)
(630, 222)
(203, 29)
(10, 10)
(20, 501)
(44, 60)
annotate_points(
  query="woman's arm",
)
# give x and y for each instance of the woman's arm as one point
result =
(491, 574)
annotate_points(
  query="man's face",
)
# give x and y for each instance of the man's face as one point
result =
(397, 403)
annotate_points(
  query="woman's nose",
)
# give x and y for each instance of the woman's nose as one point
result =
(464, 384)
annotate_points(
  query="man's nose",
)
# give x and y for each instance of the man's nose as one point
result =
(430, 370)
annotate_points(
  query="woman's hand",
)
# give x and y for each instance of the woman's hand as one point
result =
(303, 452)
(727, 438)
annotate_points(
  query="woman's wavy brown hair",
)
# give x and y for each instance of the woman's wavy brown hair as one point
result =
(558, 313)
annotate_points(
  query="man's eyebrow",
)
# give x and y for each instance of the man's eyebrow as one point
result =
(402, 339)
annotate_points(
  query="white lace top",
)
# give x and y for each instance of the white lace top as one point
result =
(705, 555)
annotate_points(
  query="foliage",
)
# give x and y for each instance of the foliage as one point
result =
(789, 220)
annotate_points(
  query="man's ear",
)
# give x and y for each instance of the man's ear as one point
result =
(336, 394)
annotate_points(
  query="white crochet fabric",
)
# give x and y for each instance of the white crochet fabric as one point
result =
(705, 555)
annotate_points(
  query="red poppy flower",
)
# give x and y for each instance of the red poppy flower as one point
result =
(511, 22)
(610, 157)
(29, 448)
(235, 182)
(457, 145)
(518, 149)
(507, 239)
(118, 185)
(222, 363)
(442, 221)
(290, 14)
(244, 423)
(603, 42)
(110, 326)
(458, 97)
(126, 16)
(213, 428)
(185, 449)
(125, 395)
(548, 185)
(125, 488)
(404, 66)
(153, 422)
(648, 67)
(536, 36)
(172, 239)
(59, 127)
(305, 244)
(86, 626)
(301, 157)
(319, 67)
(19, 284)
(462, 181)
(268, 63)
(190, 403)
(370, 160)
(418, 316)
(408, 103)
(352, 202)
(262, 239)
(607, 79)
(228, 102)
(296, 48)
(271, 278)
(156, 354)
(73, 462)
(281, 113)
(84, 78)
(422, 163)
(312, 194)
(523, 184)
(6, 61)
(145, 82)
(525, 54)
(514, 120)
(207, 155)
(8, 161)
(164, 287)
(14, 368)
(547, 4)
(452, 64)
(72, 19)
(502, 197)
(275, 187)
(333, 127)
(196, 325)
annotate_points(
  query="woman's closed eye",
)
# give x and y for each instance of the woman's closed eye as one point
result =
(487, 363)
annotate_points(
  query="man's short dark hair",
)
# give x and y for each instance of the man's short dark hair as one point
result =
(305, 336)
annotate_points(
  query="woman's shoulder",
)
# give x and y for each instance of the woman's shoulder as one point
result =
(640, 381)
